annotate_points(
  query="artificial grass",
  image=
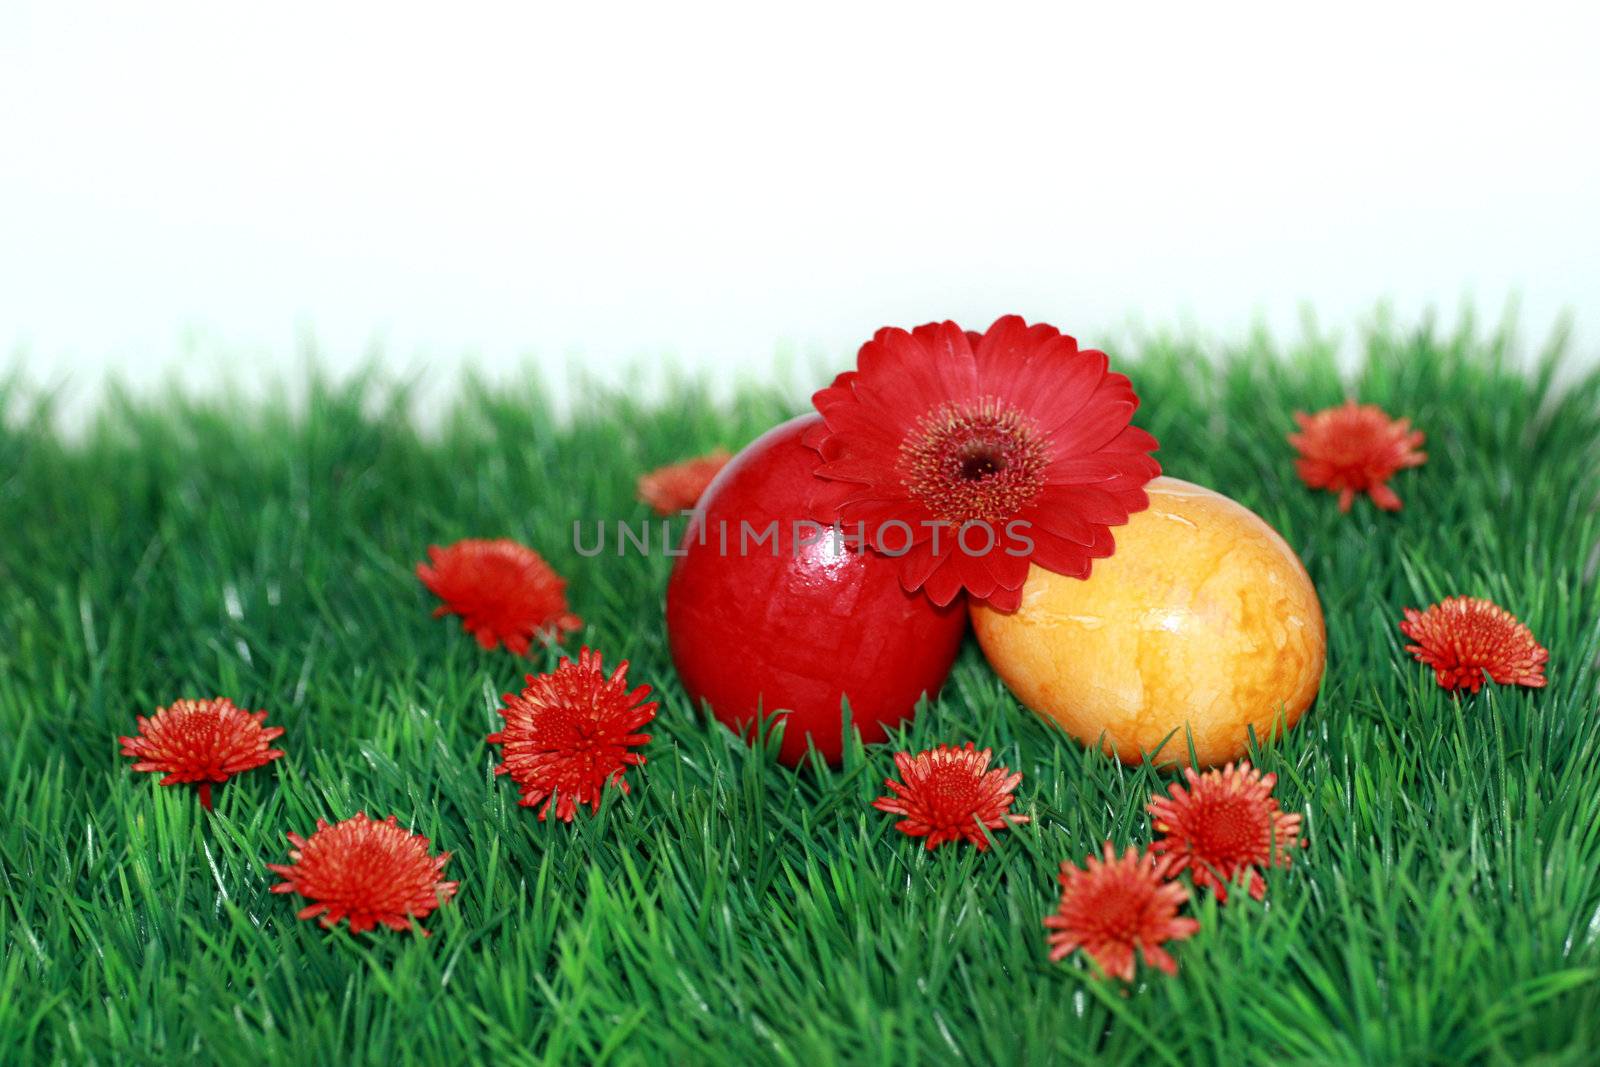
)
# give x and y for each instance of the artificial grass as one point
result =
(730, 910)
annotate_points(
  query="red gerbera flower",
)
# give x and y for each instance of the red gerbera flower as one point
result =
(1111, 906)
(203, 741)
(678, 487)
(1224, 824)
(949, 794)
(367, 871)
(1464, 636)
(971, 456)
(503, 591)
(570, 732)
(1354, 449)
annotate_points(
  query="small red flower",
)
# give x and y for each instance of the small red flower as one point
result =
(950, 795)
(503, 591)
(570, 732)
(678, 487)
(1224, 824)
(1464, 636)
(972, 456)
(1111, 906)
(1354, 449)
(203, 741)
(368, 871)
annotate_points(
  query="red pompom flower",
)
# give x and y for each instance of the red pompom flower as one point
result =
(1112, 906)
(503, 591)
(1224, 824)
(1464, 637)
(1354, 449)
(571, 732)
(368, 871)
(679, 487)
(971, 455)
(205, 741)
(950, 795)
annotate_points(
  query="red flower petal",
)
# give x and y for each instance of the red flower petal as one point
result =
(1111, 906)
(366, 871)
(1354, 449)
(669, 490)
(950, 795)
(1224, 824)
(940, 428)
(203, 741)
(1463, 637)
(503, 591)
(571, 732)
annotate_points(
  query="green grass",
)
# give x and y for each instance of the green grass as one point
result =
(730, 910)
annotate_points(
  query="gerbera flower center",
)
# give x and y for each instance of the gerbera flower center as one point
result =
(1117, 912)
(1228, 830)
(981, 460)
(364, 874)
(955, 792)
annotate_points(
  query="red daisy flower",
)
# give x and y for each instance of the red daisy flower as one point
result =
(1111, 906)
(971, 455)
(203, 741)
(368, 871)
(1224, 824)
(570, 732)
(1463, 637)
(1354, 449)
(678, 487)
(503, 591)
(949, 795)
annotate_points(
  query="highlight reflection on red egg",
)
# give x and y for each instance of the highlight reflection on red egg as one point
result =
(776, 624)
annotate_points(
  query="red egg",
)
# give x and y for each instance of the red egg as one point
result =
(794, 622)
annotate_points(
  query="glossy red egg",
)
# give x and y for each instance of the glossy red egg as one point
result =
(795, 622)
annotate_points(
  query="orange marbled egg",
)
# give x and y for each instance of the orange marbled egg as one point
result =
(1204, 622)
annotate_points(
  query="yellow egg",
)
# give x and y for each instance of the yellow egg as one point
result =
(1203, 620)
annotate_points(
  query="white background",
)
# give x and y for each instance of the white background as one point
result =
(189, 186)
